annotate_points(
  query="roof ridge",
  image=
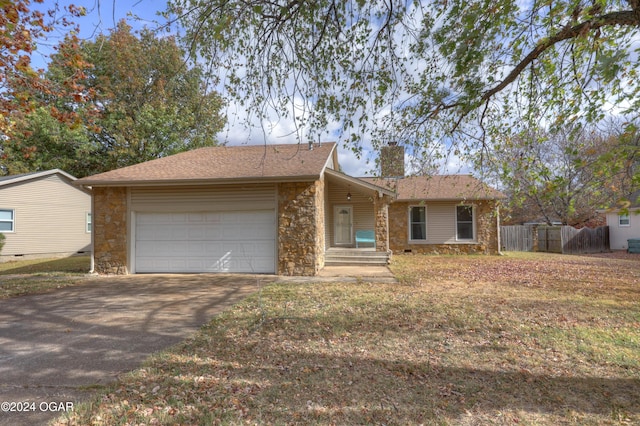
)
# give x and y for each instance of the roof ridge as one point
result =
(6, 180)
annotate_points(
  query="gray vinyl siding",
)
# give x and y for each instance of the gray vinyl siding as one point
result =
(209, 198)
(618, 235)
(363, 214)
(49, 217)
(441, 223)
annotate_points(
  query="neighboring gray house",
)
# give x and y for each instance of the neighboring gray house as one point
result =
(43, 214)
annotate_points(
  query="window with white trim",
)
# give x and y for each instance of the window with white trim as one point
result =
(7, 220)
(417, 223)
(623, 220)
(464, 223)
(88, 222)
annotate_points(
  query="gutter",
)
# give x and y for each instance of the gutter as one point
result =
(193, 182)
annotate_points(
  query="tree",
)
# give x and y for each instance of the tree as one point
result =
(41, 141)
(137, 99)
(567, 174)
(152, 103)
(20, 30)
(26, 93)
(447, 71)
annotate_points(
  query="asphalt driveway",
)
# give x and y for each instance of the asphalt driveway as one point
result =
(56, 348)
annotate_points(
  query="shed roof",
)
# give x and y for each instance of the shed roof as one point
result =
(631, 201)
(224, 164)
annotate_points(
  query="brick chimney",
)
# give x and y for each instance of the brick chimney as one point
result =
(392, 160)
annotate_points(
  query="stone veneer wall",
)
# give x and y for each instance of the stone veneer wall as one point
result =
(320, 224)
(300, 228)
(487, 228)
(110, 230)
(381, 209)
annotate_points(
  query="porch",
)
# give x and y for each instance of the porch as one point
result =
(356, 220)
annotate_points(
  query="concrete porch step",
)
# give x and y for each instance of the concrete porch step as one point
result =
(347, 262)
(339, 257)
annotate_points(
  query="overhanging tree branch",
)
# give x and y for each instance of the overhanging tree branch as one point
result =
(621, 18)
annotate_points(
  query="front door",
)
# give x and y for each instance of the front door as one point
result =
(342, 224)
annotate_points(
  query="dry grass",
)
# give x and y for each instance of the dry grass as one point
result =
(19, 278)
(465, 340)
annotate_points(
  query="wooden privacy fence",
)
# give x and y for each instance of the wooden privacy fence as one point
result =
(554, 239)
(517, 238)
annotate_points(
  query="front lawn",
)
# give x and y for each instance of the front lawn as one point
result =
(534, 339)
(22, 277)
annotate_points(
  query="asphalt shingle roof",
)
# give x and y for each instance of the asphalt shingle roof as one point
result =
(223, 163)
(439, 187)
(13, 177)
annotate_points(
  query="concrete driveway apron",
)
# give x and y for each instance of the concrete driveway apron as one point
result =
(56, 347)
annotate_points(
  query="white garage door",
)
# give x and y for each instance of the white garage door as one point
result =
(224, 241)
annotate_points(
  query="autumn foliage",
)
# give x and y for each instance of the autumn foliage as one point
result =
(119, 99)
(21, 27)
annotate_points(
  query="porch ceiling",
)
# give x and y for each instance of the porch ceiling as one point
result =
(356, 184)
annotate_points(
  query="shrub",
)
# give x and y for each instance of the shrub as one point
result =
(1, 241)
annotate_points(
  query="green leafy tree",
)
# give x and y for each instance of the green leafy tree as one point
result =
(152, 103)
(458, 72)
(136, 99)
(43, 142)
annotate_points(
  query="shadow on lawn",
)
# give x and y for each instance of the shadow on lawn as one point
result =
(72, 264)
(289, 385)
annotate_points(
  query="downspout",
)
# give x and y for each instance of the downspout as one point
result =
(498, 233)
(93, 263)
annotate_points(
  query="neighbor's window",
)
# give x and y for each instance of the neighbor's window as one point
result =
(7, 219)
(418, 223)
(88, 222)
(464, 222)
(623, 220)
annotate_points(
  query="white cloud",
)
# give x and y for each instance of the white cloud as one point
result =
(247, 129)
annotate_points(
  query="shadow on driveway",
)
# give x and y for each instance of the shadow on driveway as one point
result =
(56, 347)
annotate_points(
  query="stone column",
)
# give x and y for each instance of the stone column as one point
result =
(110, 230)
(298, 228)
(381, 211)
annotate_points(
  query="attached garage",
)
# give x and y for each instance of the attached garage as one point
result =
(239, 209)
(209, 229)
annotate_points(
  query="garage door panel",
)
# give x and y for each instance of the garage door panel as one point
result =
(238, 241)
(226, 263)
(151, 232)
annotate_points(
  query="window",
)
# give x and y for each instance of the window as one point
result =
(88, 222)
(464, 223)
(7, 219)
(418, 223)
(623, 220)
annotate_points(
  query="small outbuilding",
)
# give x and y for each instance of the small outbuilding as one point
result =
(624, 222)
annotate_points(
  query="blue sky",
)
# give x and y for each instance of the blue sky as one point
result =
(101, 16)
